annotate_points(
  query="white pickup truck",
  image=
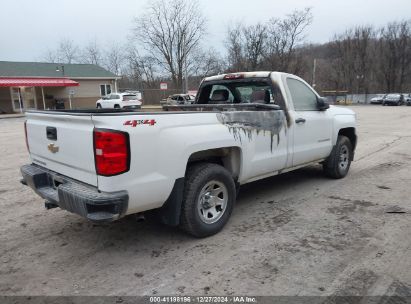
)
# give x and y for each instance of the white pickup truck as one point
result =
(185, 164)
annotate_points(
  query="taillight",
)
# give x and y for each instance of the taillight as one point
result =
(234, 76)
(111, 152)
(25, 134)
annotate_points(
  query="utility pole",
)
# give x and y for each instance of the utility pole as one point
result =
(186, 76)
(185, 65)
(314, 69)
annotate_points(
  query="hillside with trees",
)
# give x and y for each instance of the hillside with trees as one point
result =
(167, 44)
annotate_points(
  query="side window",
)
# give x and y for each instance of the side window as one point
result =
(303, 97)
(105, 89)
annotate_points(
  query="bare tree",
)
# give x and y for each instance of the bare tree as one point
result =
(92, 53)
(50, 56)
(394, 51)
(284, 36)
(268, 46)
(68, 52)
(362, 38)
(351, 54)
(114, 59)
(170, 31)
(245, 46)
(235, 48)
(254, 42)
(206, 63)
(141, 69)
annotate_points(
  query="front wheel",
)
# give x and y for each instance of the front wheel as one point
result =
(339, 161)
(209, 196)
(98, 106)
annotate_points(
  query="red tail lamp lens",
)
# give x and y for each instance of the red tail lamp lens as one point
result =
(111, 152)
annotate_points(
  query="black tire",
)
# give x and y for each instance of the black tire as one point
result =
(198, 176)
(116, 106)
(338, 163)
(98, 106)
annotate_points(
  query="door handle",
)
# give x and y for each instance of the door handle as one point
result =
(51, 133)
(300, 120)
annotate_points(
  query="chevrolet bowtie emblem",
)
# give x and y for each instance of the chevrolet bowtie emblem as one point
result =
(52, 148)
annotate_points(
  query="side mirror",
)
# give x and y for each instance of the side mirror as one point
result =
(322, 104)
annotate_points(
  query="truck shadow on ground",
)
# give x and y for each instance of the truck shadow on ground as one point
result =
(128, 232)
(280, 184)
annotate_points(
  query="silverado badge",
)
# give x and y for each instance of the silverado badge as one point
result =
(52, 148)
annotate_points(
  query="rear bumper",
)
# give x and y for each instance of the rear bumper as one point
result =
(132, 107)
(74, 196)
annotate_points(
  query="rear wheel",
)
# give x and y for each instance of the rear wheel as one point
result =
(98, 106)
(116, 106)
(209, 196)
(339, 161)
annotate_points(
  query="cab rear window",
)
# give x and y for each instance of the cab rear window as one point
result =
(253, 91)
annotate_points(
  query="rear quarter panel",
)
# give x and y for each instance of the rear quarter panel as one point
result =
(159, 152)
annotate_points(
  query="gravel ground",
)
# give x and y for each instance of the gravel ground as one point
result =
(294, 234)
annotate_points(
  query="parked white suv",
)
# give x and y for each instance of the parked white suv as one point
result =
(120, 101)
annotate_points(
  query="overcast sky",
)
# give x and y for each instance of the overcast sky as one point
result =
(28, 28)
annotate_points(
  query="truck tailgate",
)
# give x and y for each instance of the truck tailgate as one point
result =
(63, 143)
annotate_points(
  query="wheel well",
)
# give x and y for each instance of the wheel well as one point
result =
(229, 158)
(350, 133)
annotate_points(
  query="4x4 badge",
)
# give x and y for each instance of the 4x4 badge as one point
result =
(134, 123)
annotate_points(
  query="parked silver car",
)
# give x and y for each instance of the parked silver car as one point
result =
(378, 99)
(178, 99)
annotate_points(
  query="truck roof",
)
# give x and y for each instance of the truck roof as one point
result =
(262, 74)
